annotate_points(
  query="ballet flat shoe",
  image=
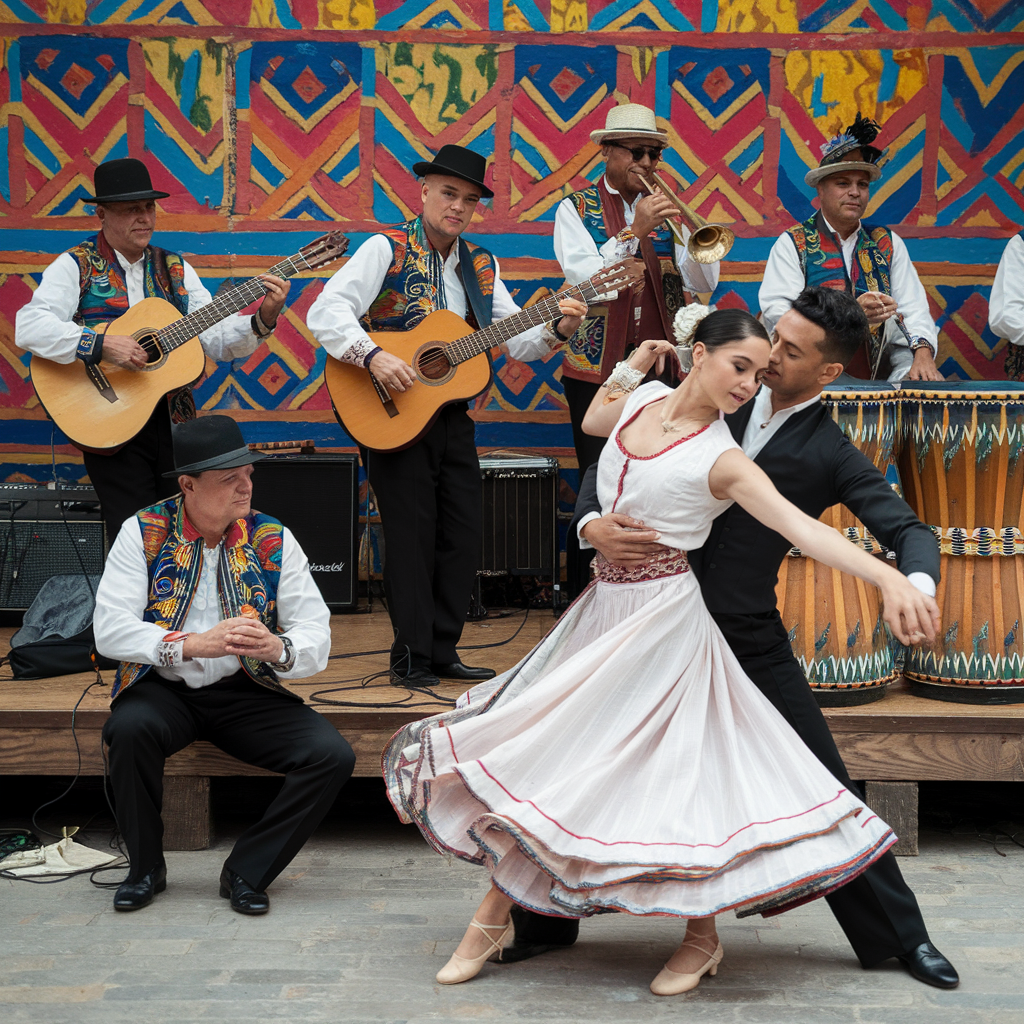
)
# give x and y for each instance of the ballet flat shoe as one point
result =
(459, 969)
(669, 983)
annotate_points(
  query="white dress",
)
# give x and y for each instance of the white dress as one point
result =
(628, 762)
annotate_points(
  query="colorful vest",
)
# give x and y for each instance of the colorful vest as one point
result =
(248, 573)
(821, 260)
(603, 338)
(413, 285)
(103, 295)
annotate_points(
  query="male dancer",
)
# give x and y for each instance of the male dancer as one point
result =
(429, 494)
(787, 431)
(97, 281)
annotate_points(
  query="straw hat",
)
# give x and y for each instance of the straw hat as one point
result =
(629, 121)
(850, 151)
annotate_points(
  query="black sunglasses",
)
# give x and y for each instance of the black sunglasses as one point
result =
(637, 152)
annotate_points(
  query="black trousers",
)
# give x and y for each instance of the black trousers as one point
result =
(156, 717)
(877, 910)
(429, 497)
(578, 396)
(131, 478)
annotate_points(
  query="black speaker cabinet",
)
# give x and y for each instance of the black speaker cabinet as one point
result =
(36, 542)
(317, 498)
(520, 516)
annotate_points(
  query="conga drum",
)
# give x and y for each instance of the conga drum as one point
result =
(963, 474)
(834, 620)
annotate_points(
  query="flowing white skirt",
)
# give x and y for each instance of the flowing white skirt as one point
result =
(629, 763)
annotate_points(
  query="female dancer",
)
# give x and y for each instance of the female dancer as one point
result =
(628, 762)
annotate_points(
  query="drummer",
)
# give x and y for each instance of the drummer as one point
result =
(834, 249)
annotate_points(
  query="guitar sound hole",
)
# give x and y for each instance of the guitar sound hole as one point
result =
(433, 364)
(151, 346)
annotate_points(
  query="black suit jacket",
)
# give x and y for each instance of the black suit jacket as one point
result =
(815, 466)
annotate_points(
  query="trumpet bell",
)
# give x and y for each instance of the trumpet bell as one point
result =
(710, 243)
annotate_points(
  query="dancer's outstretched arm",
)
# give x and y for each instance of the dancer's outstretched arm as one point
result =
(911, 615)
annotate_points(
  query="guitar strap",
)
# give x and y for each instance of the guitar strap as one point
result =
(478, 302)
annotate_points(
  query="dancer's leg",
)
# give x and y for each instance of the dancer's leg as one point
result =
(494, 909)
(700, 942)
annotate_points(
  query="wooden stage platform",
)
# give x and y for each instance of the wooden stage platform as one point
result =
(893, 743)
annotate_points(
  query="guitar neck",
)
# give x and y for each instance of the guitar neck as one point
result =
(225, 304)
(542, 312)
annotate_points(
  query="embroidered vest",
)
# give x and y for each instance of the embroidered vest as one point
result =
(248, 573)
(607, 331)
(821, 260)
(413, 285)
(103, 295)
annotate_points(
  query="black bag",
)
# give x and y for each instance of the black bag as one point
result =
(56, 636)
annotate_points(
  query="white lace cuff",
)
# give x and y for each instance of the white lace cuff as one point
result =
(360, 352)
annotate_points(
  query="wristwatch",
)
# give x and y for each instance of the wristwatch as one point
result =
(287, 660)
(917, 343)
(554, 327)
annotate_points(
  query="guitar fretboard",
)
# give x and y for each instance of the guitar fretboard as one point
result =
(542, 312)
(225, 304)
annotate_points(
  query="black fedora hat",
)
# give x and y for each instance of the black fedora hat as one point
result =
(124, 181)
(460, 163)
(209, 442)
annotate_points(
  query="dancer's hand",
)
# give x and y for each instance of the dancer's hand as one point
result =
(623, 540)
(652, 353)
(912, 617)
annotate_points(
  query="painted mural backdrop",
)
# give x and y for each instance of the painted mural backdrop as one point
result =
(270, 121)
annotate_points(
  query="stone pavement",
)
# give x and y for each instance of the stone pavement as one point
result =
(367, 913)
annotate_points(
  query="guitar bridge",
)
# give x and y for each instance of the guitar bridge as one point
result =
(385, 398)
(101, 383)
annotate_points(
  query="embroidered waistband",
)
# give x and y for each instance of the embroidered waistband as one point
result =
(668, 563)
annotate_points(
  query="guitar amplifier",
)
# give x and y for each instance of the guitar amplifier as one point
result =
(520, 516)
(317, 498)
(46, 532)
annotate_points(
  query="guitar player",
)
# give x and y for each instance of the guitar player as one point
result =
(429, 493)
(94, 283)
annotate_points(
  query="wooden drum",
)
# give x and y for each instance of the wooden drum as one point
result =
(834, 621)
(963, 474)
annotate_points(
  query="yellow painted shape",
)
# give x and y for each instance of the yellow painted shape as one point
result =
(307, 124)
(623, 22)
(513, 18)
(569, 16)
(164, 56)
(263, 14)
(757, 16)
(563, 126)
(80, 121)
(715, 123)
(440, 83)
(347, 15)
(65, 12)
(986, 92)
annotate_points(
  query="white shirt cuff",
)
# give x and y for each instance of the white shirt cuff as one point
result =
(585, 545)
(923, 582)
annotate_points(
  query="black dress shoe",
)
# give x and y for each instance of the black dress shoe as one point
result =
(538, 933)
(136, 895)
(456, 670)
(244, 898)
(927, 964)
(418, 677)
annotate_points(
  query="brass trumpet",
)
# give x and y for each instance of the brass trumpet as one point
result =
(708, 243)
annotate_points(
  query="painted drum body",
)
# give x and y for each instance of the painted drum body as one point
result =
(834, 620)
(962, 465)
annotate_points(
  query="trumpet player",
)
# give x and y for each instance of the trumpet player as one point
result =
(834, 249)
(616, 218)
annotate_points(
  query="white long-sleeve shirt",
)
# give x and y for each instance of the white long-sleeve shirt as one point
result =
(44, 326)
(580, 257)
(1006, 303)
(123, 594)
(334, 316)
(784, 280)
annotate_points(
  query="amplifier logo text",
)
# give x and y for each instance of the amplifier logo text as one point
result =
(327, 567)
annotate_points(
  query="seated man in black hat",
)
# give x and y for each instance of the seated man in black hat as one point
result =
(97, 281)
(208, 604)
(429, 494)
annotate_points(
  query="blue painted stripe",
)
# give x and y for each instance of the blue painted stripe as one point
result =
(206, 188)
(709, 15)
(37, 148)
(14, 70)
(616, 10)
(368, 82)
(189, 84)
(531, 12)
(22, 12)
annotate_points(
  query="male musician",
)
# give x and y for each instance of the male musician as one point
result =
(788, 432)
(429, 494)
(600, 225)
(834, 249)
(1006, 305)
(97, 281)
(208, 605)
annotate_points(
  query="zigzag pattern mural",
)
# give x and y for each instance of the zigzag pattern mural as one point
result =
(271, 121)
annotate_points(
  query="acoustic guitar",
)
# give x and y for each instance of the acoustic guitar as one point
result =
(103, 407)
(450, 361)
